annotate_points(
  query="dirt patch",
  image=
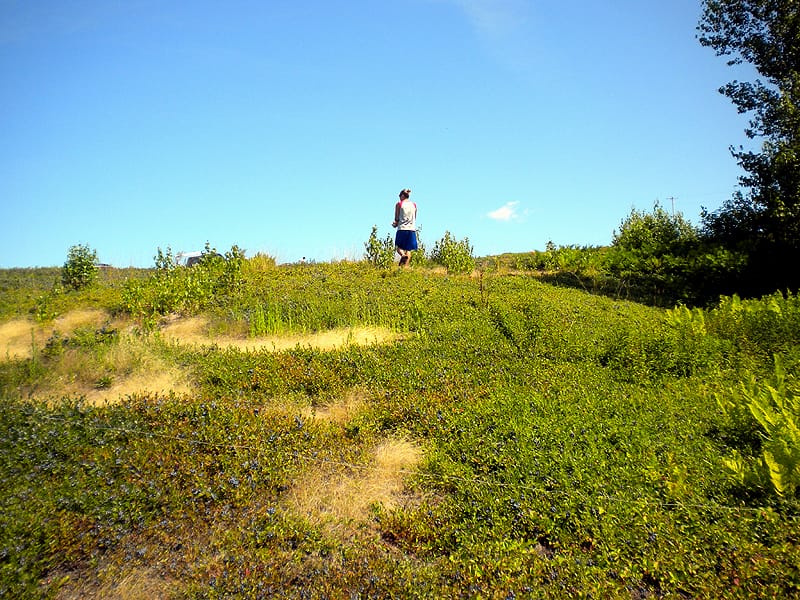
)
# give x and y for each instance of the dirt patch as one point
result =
(195, 330)
(337, 497)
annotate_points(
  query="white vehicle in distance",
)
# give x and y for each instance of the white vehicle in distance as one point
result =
(188, 259)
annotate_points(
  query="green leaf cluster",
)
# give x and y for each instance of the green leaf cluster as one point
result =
(175, 289)
(80, 270)
(455, 255)
(773, 411)
(379, 252)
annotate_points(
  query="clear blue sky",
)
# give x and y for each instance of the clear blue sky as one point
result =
(289, 126)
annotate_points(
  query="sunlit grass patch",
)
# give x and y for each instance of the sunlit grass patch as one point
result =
(158, 379)
(134, 584)
(197, 331)
(341, 411)
(338, 496)
(189, 330)
(80, 318)
(99, 365)
(20, 337)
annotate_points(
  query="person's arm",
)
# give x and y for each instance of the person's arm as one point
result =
(396, 215)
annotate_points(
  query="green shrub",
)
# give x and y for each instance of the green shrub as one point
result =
(677, 345)
(653, 234)
(651, 254)
(379, 252)
(177, 289)
(456, 256)
(44, 308)
(261, 262)
(689, 348)
(762, 326)
(81, 268)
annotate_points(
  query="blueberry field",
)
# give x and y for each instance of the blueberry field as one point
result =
(247, 430)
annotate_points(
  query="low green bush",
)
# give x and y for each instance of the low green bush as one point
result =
(175, 289)
(455, 255)
(759, 325)
(379, 252)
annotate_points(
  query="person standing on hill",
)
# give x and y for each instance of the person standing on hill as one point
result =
(405, 220)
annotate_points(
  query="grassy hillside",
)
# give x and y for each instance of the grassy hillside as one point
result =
(338, 431)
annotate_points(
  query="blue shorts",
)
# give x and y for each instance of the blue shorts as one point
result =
(406, 240)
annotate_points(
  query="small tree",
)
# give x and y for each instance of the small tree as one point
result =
(453, 254)
(81, 268)
(652, 252)
(654, 234)
(165, 261)
(379, 252)
(420, 255)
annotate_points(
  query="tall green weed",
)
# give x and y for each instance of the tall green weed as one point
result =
(769, 414)
(761, 325)
(379, 252)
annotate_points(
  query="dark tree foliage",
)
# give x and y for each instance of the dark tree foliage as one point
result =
(653, 256)
(762, 225)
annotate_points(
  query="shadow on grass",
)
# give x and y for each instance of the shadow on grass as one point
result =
(610, 287)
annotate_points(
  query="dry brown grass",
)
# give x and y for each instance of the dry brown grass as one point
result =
(339, 412)
(131, 367)
(195, 331)
(338, 497)
(137, 584)
(80, 318)
(19, 336)
(155, 380)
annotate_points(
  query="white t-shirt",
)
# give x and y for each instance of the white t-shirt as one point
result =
(408, 216)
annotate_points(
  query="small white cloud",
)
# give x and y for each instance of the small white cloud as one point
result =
(507, 212)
